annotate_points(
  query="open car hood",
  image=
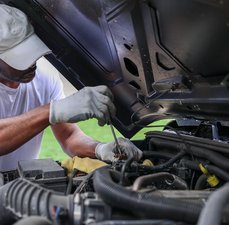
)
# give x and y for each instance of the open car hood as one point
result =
(160, 58)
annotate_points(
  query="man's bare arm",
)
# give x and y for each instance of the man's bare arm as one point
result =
(96, 103)
(73, 141)
(16, 131)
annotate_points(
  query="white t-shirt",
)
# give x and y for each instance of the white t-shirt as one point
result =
(40, 91)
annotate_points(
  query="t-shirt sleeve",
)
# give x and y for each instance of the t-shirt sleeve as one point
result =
(56, 89)
(50, 85)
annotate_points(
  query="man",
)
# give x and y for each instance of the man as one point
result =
(31, 101)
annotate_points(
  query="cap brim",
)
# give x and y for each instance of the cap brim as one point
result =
(25, 54)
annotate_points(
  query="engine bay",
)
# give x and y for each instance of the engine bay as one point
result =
(161, 59)
(171, 184)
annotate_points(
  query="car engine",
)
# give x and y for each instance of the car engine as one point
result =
(162, 59)
(171, 184)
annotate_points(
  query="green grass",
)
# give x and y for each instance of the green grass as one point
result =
(51, 149)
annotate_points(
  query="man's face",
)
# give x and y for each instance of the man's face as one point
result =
(10, 74)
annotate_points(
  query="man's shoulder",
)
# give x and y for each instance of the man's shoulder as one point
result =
(48, 85)
(45, 71)
(47, 79)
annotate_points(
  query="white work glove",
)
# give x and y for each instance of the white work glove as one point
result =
(107, 151)
(89, 102)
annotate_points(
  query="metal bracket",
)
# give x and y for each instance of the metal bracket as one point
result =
(209, 130)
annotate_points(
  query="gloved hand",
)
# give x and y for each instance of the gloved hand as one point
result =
(107, 151)
(89, 102)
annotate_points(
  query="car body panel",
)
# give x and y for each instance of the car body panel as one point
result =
(160, 58)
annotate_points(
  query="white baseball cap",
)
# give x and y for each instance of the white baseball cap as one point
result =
(20, 47)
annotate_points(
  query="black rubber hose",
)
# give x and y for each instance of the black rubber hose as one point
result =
(214, 157)
(156, 154)
(212, 169)
(213, 209)
(145, 180)
(218, 172)
(161, 167)
(21, 198)
(143, 203)
(33, 220)
(190, 164)
(201, 183)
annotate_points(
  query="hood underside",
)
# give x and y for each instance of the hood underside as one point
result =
(160, 58)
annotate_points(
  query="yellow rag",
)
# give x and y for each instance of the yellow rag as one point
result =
(86, 165)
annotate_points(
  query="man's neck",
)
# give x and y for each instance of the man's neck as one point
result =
(11, 84)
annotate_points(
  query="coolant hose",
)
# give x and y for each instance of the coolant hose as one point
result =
(157, 154)
(213, 209)
(201, 182)
(143, 204)
(161, 167)
(21, 198)
(214, 157)
(174, 181)
(33, 220)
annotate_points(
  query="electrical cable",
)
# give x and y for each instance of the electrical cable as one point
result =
(70, 181)
(124, 167)
(83, 183)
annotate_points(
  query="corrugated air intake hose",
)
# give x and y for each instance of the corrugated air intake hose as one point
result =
(21, 198)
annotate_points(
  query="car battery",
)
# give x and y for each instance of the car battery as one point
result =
(45, 172)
